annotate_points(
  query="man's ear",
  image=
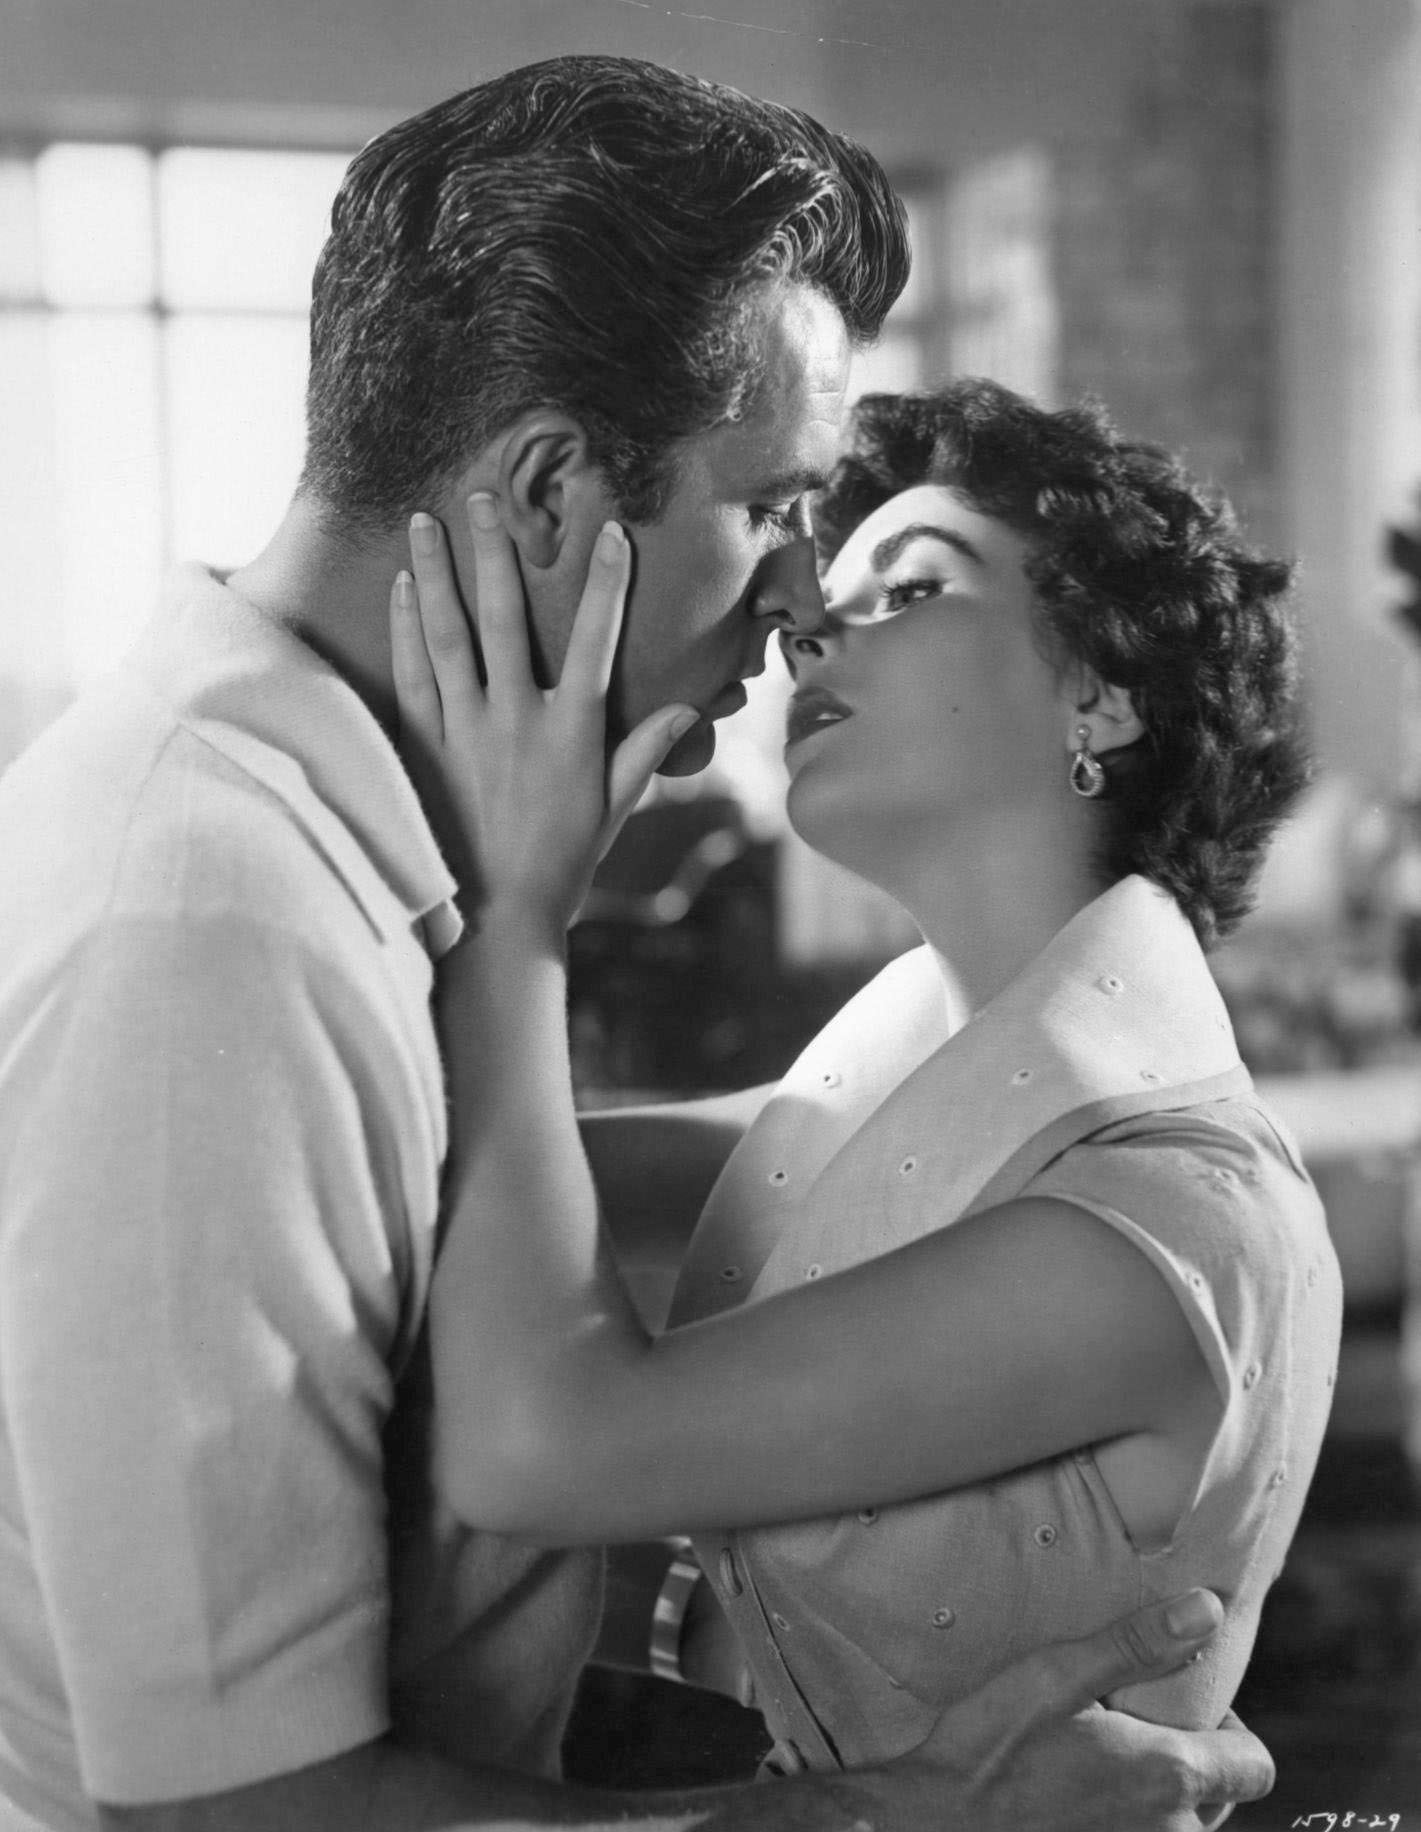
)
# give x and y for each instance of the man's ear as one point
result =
(548, 485)
(1108, 711)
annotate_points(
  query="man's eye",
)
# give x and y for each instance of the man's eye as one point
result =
(903, 592)
(781, 517)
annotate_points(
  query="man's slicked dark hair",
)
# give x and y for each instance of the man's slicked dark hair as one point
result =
(1142, 575)
(591, 234)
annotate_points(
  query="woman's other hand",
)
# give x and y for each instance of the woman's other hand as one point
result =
(516, 780)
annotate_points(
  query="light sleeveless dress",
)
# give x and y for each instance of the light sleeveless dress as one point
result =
(1105, 1075)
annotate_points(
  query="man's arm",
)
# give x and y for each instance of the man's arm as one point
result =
(1030, 1752)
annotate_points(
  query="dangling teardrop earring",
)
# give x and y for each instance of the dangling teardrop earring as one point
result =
(1087, 773)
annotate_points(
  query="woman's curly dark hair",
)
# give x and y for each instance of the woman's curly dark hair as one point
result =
(1143, 576)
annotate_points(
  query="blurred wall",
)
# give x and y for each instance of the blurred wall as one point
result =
(1349, 383)
(918, 77)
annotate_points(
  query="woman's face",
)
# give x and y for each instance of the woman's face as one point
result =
(925, 705)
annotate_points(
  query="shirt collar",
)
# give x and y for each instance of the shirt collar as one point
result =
(272, 705)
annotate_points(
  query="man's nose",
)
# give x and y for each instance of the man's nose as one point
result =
(787, 591)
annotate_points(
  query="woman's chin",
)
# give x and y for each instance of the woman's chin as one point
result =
(819, 822)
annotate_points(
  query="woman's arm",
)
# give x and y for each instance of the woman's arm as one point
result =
(1012, 1336)
(981, 1348)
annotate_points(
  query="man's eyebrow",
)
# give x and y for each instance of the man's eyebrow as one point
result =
(889, 548)
(790, 484)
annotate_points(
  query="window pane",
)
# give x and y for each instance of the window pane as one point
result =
(105, 520)
(921, 289)
(236, 429)
(243, 228)
(34, 665)
(1001, 281)
(892, 366)
(19, 231)
(96, 224)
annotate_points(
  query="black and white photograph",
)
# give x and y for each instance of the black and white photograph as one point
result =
(710, 915)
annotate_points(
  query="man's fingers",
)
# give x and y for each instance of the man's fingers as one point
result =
(1058, 1681)
(416, 690)
(441, 611)
(587, 666)
(1149, 1644)
(1232, 1765)
(500, 612)
(635, 759)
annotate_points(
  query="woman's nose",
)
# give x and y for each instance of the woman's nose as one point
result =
(803, 648)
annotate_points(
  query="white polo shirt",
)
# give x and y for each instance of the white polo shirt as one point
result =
(221, 1130)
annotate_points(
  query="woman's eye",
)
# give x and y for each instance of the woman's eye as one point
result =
(903, 592)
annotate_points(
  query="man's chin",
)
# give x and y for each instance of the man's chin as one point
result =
(691, 753)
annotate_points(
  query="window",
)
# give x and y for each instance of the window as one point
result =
(152, 364)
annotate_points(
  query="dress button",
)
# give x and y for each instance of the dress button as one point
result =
(779, 1620)
(868, 1516)
(1279, 1477)
(1111, 983)
(785, 1759)
(730, 1573)
(812, 1272)
(1020, 1079)
(1150, 1075)
(1251, 1373)
(1045, 1535)
(1312, 1275)
(830, 1078)
(730, 1274)
(944, 1617)
(778, 1177)
(907, 1167)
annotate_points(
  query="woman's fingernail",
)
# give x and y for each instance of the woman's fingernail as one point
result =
(483, 510)
(424, 533)
(610, 541)
(404, 587)
(682, 723)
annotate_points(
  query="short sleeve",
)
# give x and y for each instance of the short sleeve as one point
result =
(1209, 1194)
(200, 1295)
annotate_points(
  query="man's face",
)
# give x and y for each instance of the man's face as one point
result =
(730, 560)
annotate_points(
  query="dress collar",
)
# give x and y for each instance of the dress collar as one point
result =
(892, 1121)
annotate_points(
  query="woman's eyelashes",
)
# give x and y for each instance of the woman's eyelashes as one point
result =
(898, 594)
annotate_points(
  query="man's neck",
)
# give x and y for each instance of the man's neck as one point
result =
(332, 595)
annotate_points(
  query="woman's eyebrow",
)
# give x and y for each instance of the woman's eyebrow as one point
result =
(889, 548)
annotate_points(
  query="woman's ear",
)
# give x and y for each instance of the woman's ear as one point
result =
(1108, 712)
(548, 486)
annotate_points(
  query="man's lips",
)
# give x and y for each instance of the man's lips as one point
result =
(812, 709)
(729, 700)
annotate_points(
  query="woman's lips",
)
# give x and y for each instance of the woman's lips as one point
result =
(813, 709)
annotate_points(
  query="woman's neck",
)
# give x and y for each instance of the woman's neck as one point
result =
(988, 904)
